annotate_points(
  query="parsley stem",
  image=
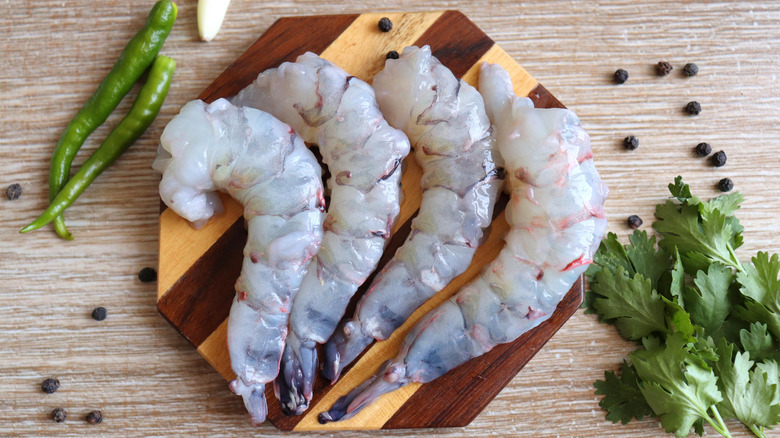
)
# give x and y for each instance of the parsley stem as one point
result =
(735, 259)
(721, 426)
(757, 431)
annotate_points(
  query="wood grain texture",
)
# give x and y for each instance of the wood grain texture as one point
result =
(148, 380)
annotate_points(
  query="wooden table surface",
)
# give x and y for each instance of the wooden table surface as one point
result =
(147, 380)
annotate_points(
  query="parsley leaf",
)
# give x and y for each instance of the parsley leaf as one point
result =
(622, 398)
(710, 302)
(704, 348)
(759, 282)
(772, 370)
(730, 329)
(758, 343)
(637, 309)
(679, 320)
(754, 311)
(645, 258)
(726, 204)
(611, 254)
(702, 234)
(748, 394)
(678, 279)
(640, 256)
(682, 191)
(677, 389)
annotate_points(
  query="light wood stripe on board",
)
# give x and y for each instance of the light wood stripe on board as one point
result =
(181, 245)
(360, 50)
(215, 350)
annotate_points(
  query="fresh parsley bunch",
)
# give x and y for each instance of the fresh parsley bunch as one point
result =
(709, 326)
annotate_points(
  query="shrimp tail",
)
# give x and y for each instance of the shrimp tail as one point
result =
(294, 384)
(342, 348)
(391, 376)
(254, 399)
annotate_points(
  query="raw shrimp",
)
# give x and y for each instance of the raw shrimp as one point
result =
(339, 113)
(556, 218)
(446, 122)
(267, 168)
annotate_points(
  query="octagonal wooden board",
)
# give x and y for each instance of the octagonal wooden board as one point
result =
(198, 268)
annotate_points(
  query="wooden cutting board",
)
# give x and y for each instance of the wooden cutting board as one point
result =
(198, 268)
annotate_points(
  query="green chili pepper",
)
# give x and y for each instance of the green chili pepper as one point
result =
(145, 109)
(137, 56)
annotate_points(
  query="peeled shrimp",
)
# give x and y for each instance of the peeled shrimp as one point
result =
(267, 168)
(556, 220)
(446, 122)
(339, 113)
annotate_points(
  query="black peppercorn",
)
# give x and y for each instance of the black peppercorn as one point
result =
(693, 108)
(385, 24)
(99, 313)
(690, 69)
(719, 159)
(663, 68)
(50, 385)
(630, 143)
(13, 191)
(392, 55)
(95, 417)
(634, 222)
(59, 415)
(703, 149)
(621, 76)
(147, 275)
(725, 185)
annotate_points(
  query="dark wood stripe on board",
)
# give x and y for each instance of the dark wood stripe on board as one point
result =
(284, 41)
(275, 414)
(200, 300)
(476, 383)
(456, 41)
(543, 98)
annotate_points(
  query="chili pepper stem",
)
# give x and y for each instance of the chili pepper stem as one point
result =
(143, 112)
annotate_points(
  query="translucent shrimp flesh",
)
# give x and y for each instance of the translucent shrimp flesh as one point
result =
(556, 218)
(267, 168)
(446, 123)
(339, 113)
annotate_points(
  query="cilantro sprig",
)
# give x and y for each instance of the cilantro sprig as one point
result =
(708, 325)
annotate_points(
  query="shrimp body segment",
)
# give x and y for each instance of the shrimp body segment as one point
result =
(339, 113)
(267, 168)
(556, 218)
(446, 122)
